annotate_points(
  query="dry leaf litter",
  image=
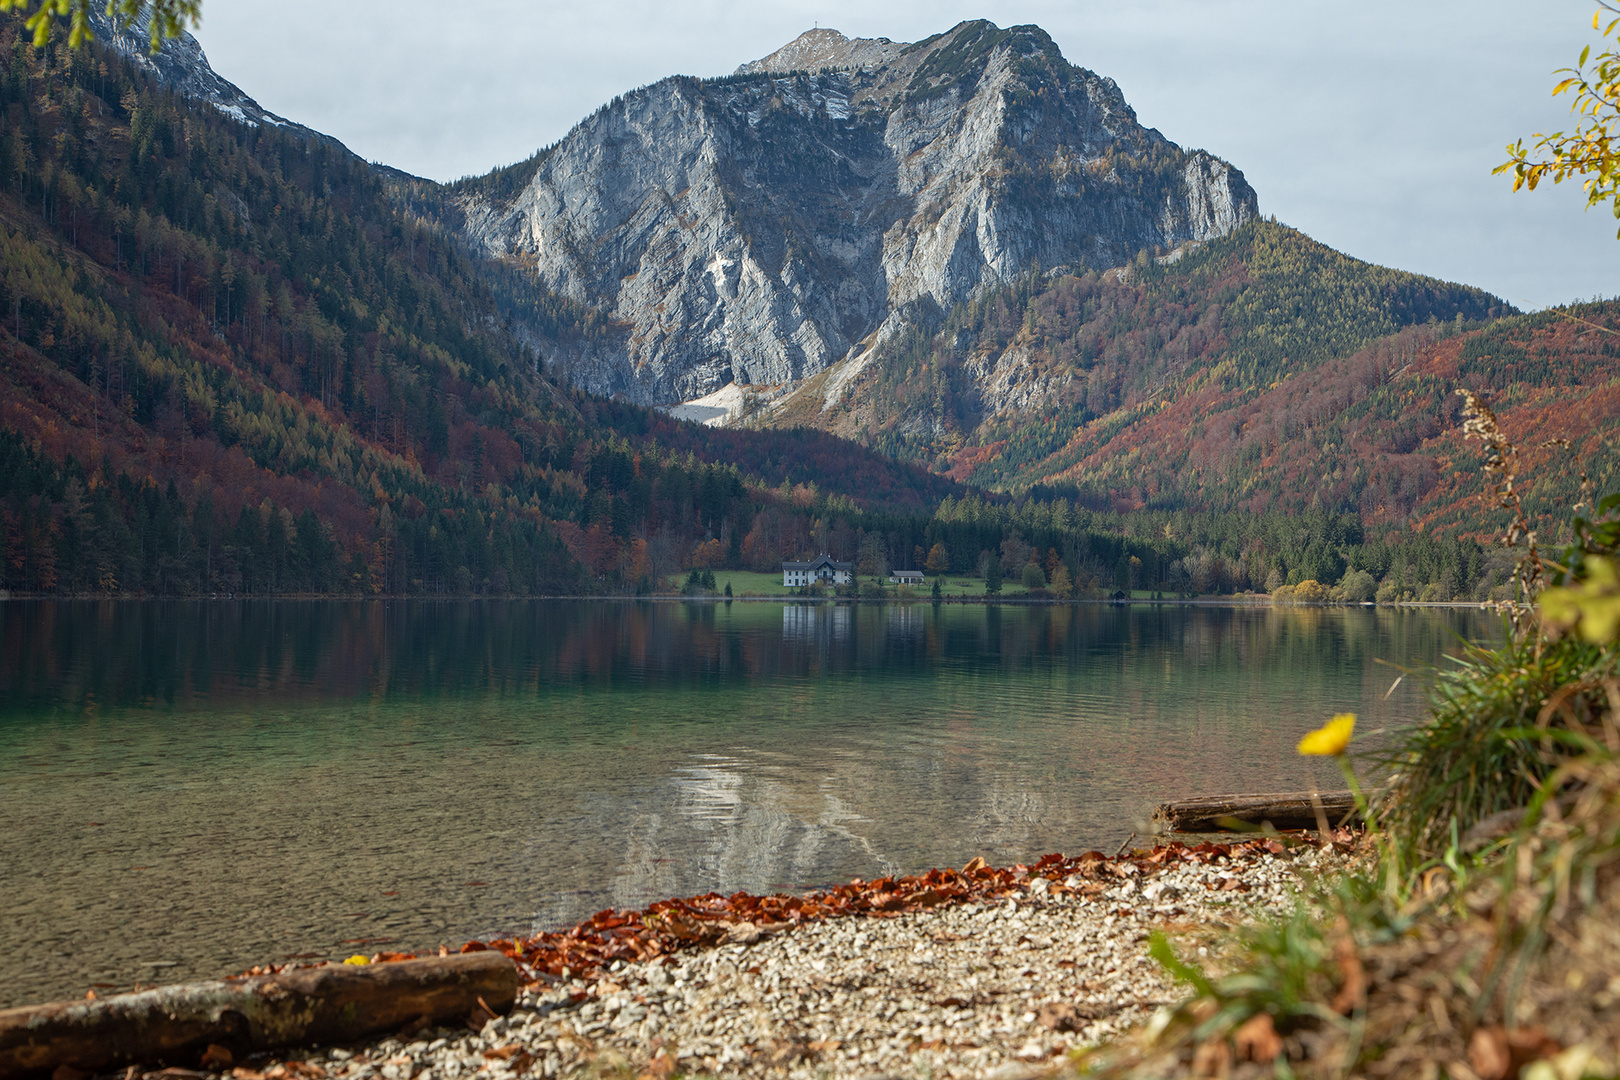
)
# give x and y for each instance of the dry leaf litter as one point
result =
(997, 989)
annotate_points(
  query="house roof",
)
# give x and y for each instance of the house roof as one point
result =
(816, 563)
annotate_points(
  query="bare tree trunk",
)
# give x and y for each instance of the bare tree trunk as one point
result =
(1214, 813)
(337, 1003)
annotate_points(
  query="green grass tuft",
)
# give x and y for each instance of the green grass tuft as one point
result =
(1493, 736)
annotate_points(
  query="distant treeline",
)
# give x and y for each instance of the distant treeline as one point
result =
(1185, 552)
(643, 519)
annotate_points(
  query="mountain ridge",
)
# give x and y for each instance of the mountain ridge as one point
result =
(758, 228)
(240, 358)
(181, 65)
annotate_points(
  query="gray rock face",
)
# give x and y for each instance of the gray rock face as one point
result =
(181, 64)
(824, 49)
(761, 227)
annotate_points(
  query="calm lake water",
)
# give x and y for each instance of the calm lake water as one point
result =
(191, 788)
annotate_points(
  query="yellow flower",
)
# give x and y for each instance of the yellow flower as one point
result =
(357, 959)
(1331, 739)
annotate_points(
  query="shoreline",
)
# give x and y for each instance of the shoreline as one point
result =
(985, 973)
(667, 598)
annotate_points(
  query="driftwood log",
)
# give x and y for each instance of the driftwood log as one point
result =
(176, 1025)
(1218, 813)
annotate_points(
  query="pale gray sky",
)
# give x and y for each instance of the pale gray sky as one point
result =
(1372, 126)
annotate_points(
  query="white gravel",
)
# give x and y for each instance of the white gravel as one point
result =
(977, 990)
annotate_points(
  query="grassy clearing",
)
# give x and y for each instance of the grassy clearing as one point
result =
(750, 583)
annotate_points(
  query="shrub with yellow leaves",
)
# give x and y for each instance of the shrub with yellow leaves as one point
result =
(1310, 591)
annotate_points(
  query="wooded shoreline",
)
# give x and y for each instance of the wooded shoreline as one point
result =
(1018, 601)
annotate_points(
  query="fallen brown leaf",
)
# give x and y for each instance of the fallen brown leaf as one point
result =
(743, 933)
(1059, 1016)
(660, 1067)
(785, 1051)
(1353, 989)
(217, 1057)
(1212, 1058)
(1488, 1053)
(1257, 1039)
(504, 1053)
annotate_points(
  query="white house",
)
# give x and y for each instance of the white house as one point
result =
(818, 571)
(907, 577)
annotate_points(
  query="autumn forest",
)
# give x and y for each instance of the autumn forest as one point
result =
(238, 359)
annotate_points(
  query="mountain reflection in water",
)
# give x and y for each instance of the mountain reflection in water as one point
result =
(210, 785)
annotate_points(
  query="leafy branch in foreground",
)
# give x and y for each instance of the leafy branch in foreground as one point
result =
(1590, 148)
(167, 18)
(1586, 596)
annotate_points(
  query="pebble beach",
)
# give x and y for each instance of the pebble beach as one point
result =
(1000, 990)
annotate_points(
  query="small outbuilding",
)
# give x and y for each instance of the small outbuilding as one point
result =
(914, 578)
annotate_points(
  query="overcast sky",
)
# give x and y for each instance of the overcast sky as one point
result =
(1372, 126)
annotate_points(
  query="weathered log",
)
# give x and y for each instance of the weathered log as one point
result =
(1217, 813)
(174, 1025)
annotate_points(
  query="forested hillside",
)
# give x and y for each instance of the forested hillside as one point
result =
(1378, 432)
(234, 359)
(1003, 386)
(1260, 372)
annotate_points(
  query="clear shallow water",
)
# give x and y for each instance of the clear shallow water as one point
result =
(187, 789)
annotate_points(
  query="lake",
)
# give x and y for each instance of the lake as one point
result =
(190, 788)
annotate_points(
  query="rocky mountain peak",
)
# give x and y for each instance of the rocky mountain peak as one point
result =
(823, 49)
(763, 227)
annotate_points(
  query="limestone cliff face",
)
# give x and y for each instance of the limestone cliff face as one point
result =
(759, 228)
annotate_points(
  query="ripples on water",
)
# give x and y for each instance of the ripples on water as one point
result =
(204, 786)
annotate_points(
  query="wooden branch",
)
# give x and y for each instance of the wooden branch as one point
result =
(337, 1003)
(1216, 813)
